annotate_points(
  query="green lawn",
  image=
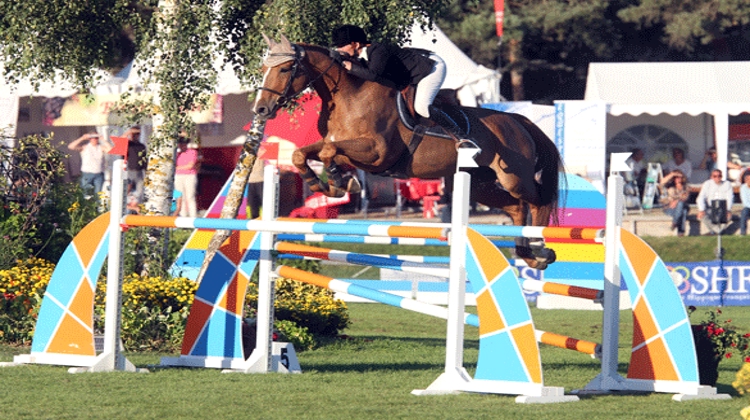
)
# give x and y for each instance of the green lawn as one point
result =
(390, 353)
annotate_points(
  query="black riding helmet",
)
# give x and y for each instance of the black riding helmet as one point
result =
(346, 34)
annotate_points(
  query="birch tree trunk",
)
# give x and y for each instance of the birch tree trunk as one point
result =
(240, 176)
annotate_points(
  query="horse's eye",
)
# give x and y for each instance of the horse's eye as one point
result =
(285, 70)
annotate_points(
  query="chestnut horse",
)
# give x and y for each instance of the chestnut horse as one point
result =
(359, 121)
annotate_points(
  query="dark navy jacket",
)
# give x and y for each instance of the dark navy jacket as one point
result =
(393, 66)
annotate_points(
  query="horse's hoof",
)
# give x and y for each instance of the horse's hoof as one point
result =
(353, 187)
(547, 255)
(544, 257)
(540, 265)
(335, 192)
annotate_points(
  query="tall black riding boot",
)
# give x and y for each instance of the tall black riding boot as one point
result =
(445, 121)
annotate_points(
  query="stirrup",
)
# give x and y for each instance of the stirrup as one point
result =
(467, 144)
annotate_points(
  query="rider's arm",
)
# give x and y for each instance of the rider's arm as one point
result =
(377, 58)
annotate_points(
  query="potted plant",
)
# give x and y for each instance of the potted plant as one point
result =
(716, 339)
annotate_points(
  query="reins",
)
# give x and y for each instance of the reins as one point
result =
(285, 97)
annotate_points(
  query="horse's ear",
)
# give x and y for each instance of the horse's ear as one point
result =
(285, 43)
(268, 40)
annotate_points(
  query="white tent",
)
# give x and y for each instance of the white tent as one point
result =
(718, 89)
(475, 83)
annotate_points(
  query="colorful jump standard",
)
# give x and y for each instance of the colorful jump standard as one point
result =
(342, 286)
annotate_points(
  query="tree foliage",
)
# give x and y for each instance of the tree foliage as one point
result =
(689, 24)
(548, 44)
(41, 37)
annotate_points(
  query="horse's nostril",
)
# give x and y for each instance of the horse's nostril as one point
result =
(261, 111)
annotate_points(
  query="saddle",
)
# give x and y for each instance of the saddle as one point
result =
(420, 127)
(410, 119)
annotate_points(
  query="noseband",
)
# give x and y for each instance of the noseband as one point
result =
(297, 70)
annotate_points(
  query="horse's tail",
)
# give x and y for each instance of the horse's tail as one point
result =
(550, 163)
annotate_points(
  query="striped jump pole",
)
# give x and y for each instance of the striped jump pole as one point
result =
(341, 286)
(563, 290)
(570, 343)
(304, 227)
(361, 259)
(377, 241)
(360, 239)
(296, 252)
(546, 232)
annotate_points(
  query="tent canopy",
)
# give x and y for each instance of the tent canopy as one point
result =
(473, 80)
(711, 87)
(672, 88)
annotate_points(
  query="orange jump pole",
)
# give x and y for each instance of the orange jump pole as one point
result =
(563, 290)
(570, 343)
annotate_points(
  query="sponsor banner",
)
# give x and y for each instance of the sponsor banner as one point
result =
(707, 283)
(580, 136)
(713, 283)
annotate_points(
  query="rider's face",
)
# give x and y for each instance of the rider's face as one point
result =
(352, 49)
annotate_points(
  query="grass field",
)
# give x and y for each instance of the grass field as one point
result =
(390, 353)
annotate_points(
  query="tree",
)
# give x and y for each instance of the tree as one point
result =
(690, 26)
(548, 44)
(551, 39)
(176, 44)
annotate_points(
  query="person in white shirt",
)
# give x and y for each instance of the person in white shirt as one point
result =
(93, 160)
(712, 189)
(679, 162)
(637, 165)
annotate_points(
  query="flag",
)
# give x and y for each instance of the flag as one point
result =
(268, 151)
(499, 16)
(120, 146)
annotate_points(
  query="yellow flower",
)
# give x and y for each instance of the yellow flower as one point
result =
(745, 413)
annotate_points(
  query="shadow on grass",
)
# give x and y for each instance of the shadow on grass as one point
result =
(364, 367)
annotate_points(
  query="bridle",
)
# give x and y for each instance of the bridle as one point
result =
(297, 70)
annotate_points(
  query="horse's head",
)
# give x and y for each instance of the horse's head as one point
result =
(284, 77)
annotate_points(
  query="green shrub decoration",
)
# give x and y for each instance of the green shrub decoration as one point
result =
(155, 309)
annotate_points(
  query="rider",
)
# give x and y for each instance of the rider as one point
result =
(398, 68)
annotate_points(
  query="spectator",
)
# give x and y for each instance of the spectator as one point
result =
(675, 201)
(709, 163)
(136, 163)
(93, 160)
(712, 190)
(745, 197)
(637, 167)
(679, 162)
(709, 160)
(186, 176)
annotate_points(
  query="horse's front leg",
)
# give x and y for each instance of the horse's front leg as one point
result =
(299, 160)
(338, 183)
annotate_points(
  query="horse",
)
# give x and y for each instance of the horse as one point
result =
(518, 164)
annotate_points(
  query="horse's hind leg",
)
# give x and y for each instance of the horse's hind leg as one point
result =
(533, 250)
